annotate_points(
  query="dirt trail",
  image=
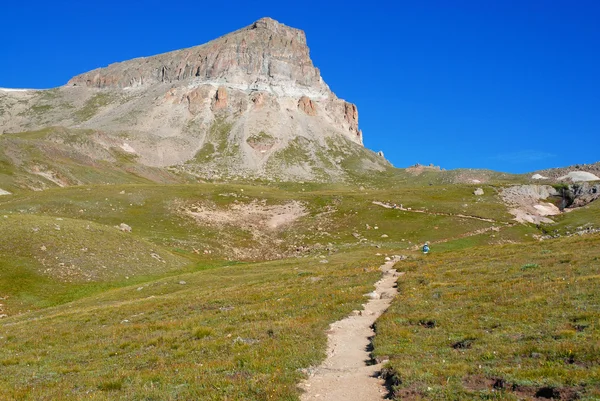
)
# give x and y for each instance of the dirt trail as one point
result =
(462, 216)
(346, 373)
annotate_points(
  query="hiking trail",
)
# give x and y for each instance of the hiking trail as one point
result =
(347, 373)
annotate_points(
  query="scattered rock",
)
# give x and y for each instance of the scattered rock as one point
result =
(3, 192)
(372, 295)
(124, 227)
(248, 341)
(538, 177)
(182, 282)
(384, 236)
(478, 192)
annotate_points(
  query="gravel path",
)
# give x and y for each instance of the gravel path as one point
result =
(346, 373)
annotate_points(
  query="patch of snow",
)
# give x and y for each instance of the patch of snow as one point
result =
(538, 177)
(3, 192)
(547, 209)
(15, 90)
(576, 176)
(476, 181)
(127, 148)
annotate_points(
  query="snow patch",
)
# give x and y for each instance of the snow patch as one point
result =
(127, 148)
(3, 192)
(538, 177)
(15, 90)
(576, 176)
(547, 209)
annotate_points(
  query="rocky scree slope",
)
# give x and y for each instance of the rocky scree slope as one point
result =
(250, 104)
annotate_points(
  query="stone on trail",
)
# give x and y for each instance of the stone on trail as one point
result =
(373, 295)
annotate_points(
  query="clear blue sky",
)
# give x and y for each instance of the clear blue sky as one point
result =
(506, 85)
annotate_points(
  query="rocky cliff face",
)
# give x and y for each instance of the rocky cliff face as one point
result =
(264, 55)
(250, 103)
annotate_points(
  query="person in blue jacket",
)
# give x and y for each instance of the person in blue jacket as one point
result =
(426, 248)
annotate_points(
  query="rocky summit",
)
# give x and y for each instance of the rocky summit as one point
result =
(250, 104)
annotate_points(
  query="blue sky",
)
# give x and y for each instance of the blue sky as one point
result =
(507, 85)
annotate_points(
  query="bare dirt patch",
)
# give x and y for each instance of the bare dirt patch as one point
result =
(264, 225)
(255, 216)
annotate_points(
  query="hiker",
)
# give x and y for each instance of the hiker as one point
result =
(426, 248)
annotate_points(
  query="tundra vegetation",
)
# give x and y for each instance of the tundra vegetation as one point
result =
(162, 238)
(191, 306)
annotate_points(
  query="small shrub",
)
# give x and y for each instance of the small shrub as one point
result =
(111, 385)
(530, 266)
(202, 332)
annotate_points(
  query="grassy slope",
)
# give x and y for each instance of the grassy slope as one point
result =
(178, 343)
(235, 333)
(527, 318)
(65, 153)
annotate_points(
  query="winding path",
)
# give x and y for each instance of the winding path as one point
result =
(347, 373)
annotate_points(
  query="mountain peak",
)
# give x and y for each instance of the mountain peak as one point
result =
(247, 104)
(262, 55)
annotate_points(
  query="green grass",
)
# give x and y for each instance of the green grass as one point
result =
(334, 216)
(234, 333)
(217, 327)
(525, 317)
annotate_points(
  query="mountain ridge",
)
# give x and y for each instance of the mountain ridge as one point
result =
(248, 104)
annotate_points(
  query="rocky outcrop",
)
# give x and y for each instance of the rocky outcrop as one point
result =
(251, 57)
(307, 106)
(578, 195)
(220, 101)
(527, 204)
(258, 99)
(351, 116)
(196, 99)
